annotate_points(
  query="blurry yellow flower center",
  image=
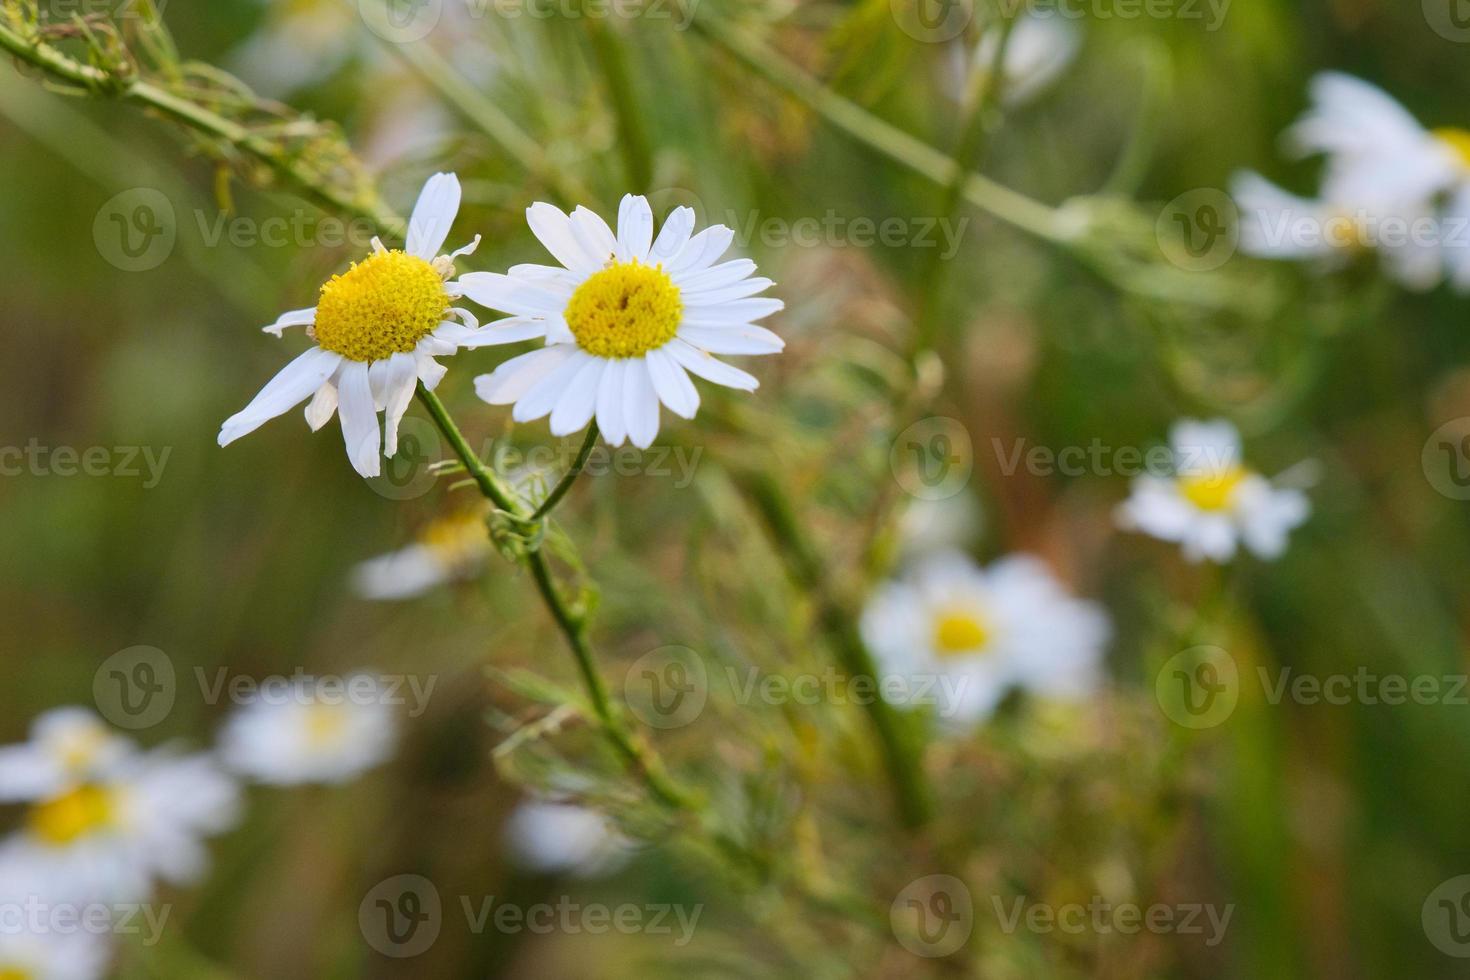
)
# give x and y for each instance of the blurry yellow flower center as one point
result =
(1456, 139)
(325, 724)
(959, 631)
(457, 540)
(1214, 490)
(626, 310)
(383, 305)
(1345, 231)
(15, 973)
(73, 815)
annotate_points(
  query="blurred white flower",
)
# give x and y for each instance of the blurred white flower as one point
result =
(452, 548)
(949, 523)
(1212, 502)
(311, 733)
(378, 328)
(66, 745)
(1389, 184)
(626, 317)
(958, 636)
(1039, 50)
(563, 838)
(44, 933)
(110, 836)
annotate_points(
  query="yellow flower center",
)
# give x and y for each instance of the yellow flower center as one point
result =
(626, 310)
(960, 631)
(8, 972)
(1215, 490)
(458, 540)
(383, 305)
(73, 815)
(1343, 230)
(1456, 139)
(325, 724)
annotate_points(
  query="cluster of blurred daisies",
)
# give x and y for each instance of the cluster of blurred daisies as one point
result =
(104, 824)
(1389, 186)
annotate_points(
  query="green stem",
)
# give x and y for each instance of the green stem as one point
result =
(570, 476)
(905, 768)
(489, 484)
(633, 138)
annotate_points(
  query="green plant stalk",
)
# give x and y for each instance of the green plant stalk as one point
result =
(66, 68)
(905, 768)
(570, 476)
(633, 139)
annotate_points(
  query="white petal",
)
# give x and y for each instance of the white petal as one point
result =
(544, 394)
(593, 234)
(401, 384)
(378, 382)
(431, 372)
(295, 318)
(466, 250)
(437, 206)
(720, 275)
(673, 235)
(724, 294)
(574, 409)
(549, 275)
(508, 331)
(322, 407)
(635, 228)
(500, 292)
(289, 388)
(610, 403)
(748, 339)
(511, 380)
(734, 313)
(701, 251)
(554, 230)
(640, 403)
(359, 418)
(672, 385)
(710, 369)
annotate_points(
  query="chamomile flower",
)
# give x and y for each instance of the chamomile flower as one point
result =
(564, 838)
(377, 327)
(1212, 503)
(66, 745)
(957, 636)
(626, 317)
(110, 836)
(1385, 185)
(40, 937)
(451, 548)
(310, 734)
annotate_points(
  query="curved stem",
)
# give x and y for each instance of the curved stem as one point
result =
(570, 476)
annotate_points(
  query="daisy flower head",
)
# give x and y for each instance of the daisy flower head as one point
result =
(626, 318)
(34, 942)
(563, 838)
(312, 733)
(451, 548)
(111, 836)
(968, 635)
(377, 328)
(65, 745)
(1211, 503)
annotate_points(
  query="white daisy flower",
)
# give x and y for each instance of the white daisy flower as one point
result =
(452, 548)
(66, 745)
(1212, 502)
(312, 733)
(959, 636)
(563, 838)
(626, 318)
(378, 328)
(111, 836)
(46, 934)
(1385, 182)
